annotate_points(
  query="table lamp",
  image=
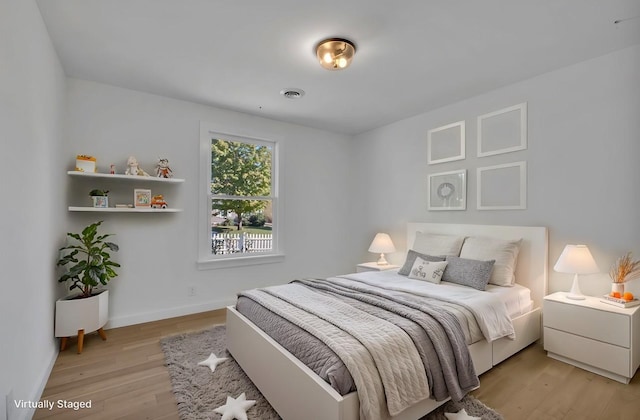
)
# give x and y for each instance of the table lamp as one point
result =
(382, 244)
(576, 259)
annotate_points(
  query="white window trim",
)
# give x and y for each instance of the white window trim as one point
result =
(206, 261)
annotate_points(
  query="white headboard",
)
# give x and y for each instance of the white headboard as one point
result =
(531, 270)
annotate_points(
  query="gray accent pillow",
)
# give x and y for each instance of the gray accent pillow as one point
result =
(472, 273)
(411, 258)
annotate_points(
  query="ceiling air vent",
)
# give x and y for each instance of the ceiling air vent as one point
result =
(291, 93)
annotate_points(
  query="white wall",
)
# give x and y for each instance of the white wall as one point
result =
(158, 252)
(583, 169)
(32, 217)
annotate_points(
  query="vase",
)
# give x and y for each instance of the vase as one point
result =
(617, 288)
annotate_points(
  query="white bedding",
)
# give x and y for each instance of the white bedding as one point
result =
(490, 310)
(516, 298)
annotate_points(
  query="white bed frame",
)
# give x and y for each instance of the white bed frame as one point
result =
(296, 392)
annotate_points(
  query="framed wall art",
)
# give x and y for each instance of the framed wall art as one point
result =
(447, 191)
(502, 187)
(446, 143)
(503, 131)
(141, 198)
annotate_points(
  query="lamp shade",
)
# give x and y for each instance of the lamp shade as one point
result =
(382, 243)
(576, 259)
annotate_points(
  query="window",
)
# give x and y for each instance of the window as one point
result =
(239, 209)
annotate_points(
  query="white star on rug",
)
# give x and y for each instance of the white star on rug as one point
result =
(460, 415)
(235, 408)
(212, 361)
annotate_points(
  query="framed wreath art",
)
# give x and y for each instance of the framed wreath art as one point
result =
(448, 191)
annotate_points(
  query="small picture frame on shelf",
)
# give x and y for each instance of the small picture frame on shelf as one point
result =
(141, 198)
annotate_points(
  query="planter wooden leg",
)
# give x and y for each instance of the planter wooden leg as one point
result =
(80, 340)
(103, 335)
(63, 343)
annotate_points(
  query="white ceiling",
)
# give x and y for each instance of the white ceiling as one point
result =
(412, 56)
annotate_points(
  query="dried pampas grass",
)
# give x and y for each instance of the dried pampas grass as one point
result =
(625, 269)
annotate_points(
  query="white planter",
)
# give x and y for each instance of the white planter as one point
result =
(73, 315)
(100, 201)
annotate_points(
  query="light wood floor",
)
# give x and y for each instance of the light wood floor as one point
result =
(125, 378)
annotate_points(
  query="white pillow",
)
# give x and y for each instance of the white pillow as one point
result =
(505, 252)
(430, 271)
(437, 244)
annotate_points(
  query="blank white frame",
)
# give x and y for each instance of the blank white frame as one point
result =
(446, 143)
(503, 190)
(503, 131)
(447, 191)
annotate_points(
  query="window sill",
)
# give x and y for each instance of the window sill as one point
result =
(214, 264)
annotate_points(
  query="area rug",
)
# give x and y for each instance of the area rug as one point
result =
(199, 391)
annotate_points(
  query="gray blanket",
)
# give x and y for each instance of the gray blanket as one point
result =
(436, 334)
(388, 371)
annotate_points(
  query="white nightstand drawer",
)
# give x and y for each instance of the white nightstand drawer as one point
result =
(599, 325)
(594, 353)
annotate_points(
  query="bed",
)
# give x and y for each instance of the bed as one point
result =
(295, 391)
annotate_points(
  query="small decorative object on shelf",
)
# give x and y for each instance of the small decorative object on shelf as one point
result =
(157, 202)
(162, 168)
(100, 198)
(623, 270)
(141, 198)
(112, 169)
(133, 168)
(85, 163)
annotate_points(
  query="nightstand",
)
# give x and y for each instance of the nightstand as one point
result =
(374, 266)
(593, 335)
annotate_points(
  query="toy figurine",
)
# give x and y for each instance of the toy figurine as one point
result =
(162, 168)
(157, 202)
(112, 169)
(133, 168)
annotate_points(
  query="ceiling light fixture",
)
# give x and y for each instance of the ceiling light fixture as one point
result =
(335, 53)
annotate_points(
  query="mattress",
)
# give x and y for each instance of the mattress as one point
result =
(324, 362)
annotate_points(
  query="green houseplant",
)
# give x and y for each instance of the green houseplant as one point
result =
(88, 264)
(98, 193)
(89, 261)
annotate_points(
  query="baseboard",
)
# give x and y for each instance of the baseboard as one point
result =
(141, 318)
(14, 413)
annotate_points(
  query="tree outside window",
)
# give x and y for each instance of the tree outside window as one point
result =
(242, 193)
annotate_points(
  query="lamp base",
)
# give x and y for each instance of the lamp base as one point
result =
(382, 260)
(575, 292)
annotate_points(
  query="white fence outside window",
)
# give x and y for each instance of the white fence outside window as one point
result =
(231, 243)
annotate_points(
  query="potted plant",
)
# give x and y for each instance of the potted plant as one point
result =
(100, 198)
(87, 265)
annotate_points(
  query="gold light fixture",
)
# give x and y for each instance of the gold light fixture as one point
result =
(335, 53)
